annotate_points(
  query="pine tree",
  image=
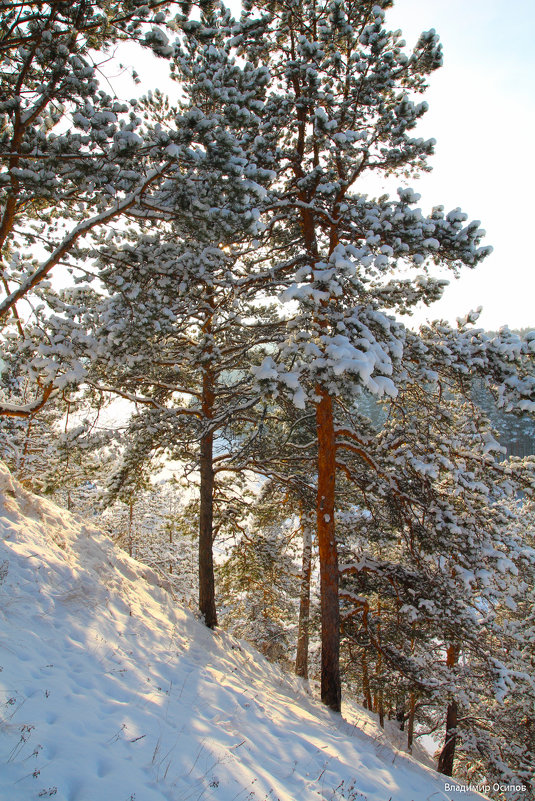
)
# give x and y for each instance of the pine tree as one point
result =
(73, 157)
(56, 452)
(340, 104)
(179, 307)
(496, 733)
(429, 546)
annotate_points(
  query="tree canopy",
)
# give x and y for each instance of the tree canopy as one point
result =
(232, 279)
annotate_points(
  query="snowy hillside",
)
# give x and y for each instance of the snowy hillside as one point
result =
(109, 692)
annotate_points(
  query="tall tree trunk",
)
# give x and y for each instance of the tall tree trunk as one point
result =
(447, 755)
(207, 605)
(412, 705)
(331, 693)
(301, 660)
(206, 513)
(330, 610)
(379, 671)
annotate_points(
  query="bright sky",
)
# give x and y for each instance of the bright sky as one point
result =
(482, 114)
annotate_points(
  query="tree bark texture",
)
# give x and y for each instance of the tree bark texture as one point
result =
(447, 755)
(410, 726)
(329, 579)
(379, 671)
(368, 704)
(301, 661)
(207, 605)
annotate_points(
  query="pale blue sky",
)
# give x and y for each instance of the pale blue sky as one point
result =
(482, 113)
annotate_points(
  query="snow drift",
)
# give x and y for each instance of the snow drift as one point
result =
(111, 692)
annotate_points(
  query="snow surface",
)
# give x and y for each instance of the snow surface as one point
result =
(110, 691)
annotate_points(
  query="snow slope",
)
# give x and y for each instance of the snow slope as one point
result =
(111, 692)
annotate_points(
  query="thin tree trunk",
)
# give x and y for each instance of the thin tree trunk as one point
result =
(130, 527)
(412, 703)
(301, 660)
(381, 709)
(447, 755)
(207, 605)
(368, 704)
(26, 449)
(410, 722)
(379, 670)
(68, 480)
(330, 610)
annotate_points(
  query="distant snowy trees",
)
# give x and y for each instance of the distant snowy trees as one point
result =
(248, 311)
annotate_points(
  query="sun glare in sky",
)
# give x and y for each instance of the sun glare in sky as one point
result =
(482, 114)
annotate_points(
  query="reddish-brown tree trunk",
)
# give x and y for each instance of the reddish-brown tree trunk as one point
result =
(301, 660)
(206, 516)
(328, 555)
(447, 755)
(207, 605)
(410, 726)
(368, 703)
(379, 671)
(412, 705)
